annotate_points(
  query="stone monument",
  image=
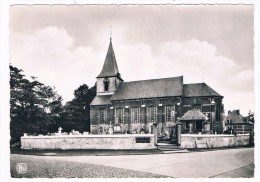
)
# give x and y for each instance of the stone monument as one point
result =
(59, 131)
(190, 128)
(110, 129)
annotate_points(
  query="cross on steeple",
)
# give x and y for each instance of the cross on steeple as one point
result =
(110, 68)
(110, 32)
(109, 78)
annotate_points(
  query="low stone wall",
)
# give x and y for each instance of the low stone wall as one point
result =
(108, 142)
(213, 141)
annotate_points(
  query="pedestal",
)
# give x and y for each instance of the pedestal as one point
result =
(155, 133)
(179, 134)
(206, 128)
(190, 128)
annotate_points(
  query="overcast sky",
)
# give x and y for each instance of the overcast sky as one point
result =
(65, 46)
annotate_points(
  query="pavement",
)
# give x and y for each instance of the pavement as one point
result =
(228, 163)
(48, 167)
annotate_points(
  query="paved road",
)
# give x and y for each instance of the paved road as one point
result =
(46, 167)
(233, 163)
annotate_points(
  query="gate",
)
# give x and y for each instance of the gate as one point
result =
(172, 136)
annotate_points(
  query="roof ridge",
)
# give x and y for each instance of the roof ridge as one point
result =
(211, 89)
(153, 79)
(194, 83)
(162, 87)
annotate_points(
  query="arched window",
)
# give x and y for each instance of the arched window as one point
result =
(106, 84)
(115, 83)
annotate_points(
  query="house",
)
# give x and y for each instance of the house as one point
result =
(133, 107)
(236, 122)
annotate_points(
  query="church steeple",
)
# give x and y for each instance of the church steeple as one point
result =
(110, 66)
(109, 78)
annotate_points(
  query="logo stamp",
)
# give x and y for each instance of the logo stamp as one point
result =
(21, 168)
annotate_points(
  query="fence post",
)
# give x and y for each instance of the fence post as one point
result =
(179, 134)
(155, 133)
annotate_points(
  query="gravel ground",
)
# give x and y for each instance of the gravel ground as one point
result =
(37, 167)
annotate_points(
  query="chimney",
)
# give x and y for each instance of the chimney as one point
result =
(238, 112)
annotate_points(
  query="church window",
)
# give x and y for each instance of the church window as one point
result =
(205, 108)
(102, 116)
(151, 114)
(186, 108)
(106, 84)
(135, 115)
(115, 83)
(120, 115)
(169, 113)
(196, 106)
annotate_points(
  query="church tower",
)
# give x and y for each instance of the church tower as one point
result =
(109, 78)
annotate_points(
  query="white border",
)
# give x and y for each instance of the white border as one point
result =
(4, 78)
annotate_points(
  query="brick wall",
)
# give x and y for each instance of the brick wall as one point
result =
(161, 115)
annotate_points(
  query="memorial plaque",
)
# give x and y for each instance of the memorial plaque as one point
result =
(142, 139)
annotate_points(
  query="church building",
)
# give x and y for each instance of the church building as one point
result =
(133, 107)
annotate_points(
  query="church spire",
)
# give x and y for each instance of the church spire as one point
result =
(110, 68)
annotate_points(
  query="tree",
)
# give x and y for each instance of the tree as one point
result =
(76, 113)
(35, 108)
(251, 117)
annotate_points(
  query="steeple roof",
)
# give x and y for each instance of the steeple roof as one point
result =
(110, 66)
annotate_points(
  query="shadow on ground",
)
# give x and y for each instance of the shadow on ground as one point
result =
(81, 152)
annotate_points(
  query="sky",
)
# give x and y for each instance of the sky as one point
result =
(65, 46)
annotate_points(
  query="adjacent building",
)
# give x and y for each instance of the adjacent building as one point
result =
(133, 107)
(236, 122)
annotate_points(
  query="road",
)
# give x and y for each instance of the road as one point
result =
(228, 163)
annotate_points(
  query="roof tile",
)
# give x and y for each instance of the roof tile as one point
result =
(165, 87)
(194, 114)
(110, 66)
(101, 100)
(198, 90)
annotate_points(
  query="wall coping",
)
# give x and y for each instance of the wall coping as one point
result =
(90, 136)
(196, 135)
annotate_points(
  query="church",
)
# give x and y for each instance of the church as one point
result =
(133, 107)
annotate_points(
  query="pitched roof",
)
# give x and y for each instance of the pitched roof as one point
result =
(235, 117)
(165, 87)
(198, 90)
(110, 66)
(194, 114)
(101, 100)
